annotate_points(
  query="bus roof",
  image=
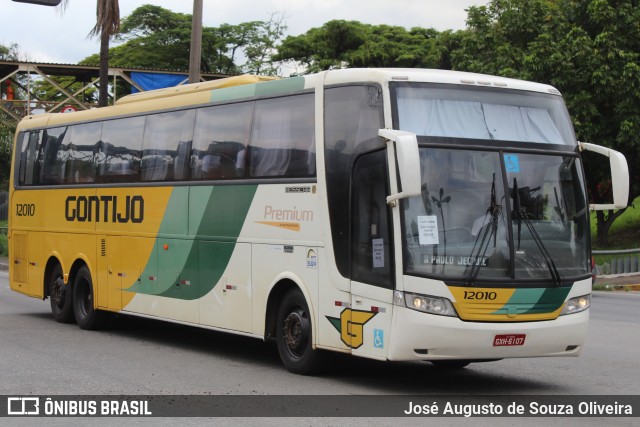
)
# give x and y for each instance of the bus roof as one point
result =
(191, 94)
(434, 76)
(194, 88)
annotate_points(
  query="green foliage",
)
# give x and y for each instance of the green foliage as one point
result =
(625, 232)
(155, 37)
(7, 131)
(4, 245)
(9, 53)
(340, 44)
(45, 91)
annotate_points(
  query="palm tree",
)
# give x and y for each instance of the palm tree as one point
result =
(107, 24)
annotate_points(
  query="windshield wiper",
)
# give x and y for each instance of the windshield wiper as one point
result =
(519, 213)
(494, 211)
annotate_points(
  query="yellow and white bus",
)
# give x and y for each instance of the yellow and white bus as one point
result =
(390, 214)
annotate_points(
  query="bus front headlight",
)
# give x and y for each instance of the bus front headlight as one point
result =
(425, 303)
(577, 304)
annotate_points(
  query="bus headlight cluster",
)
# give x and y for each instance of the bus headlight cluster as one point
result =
(577, 304)
(425, 303)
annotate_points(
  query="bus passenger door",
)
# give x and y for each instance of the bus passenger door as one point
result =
(371, 258)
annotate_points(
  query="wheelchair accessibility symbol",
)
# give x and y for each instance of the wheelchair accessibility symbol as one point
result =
(378, 338)
(512, 163)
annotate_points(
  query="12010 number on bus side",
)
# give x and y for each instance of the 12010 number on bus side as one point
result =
(25, 209)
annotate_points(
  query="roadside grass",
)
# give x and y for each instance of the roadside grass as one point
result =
(4, 244)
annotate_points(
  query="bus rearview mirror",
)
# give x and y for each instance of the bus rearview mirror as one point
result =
(407, 160)
(619, 176)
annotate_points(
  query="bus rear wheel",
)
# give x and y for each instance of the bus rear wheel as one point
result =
(87, 316)
(294, 335)
(60, 297)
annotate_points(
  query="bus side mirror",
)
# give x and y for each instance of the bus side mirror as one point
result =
(619, 176)
(408, 161)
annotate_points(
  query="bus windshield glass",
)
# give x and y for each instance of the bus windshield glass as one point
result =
(483, 113)
(489, 215)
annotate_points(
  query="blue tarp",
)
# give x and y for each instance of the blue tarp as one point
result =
(150, 81)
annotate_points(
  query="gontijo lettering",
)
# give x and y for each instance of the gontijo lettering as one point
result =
(104, 209)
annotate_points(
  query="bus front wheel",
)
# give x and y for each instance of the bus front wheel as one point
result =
(87, 316)
(293, 335)
(60, 297)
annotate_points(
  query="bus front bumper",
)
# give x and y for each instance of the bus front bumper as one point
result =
(422, 336)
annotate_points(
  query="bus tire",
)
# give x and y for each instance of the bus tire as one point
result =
(60, 297)
(87, 316)
(294, 335)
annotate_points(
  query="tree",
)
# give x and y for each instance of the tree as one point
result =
(341, 44)
(107, 24)
(155, 37)
(589, 50)
(7, 124)
(9, 53)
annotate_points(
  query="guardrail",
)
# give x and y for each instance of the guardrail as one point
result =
(626, 264)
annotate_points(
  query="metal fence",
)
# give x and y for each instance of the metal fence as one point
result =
(4, 205)
(625, 261)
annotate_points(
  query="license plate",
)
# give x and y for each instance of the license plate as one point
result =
(508, 340)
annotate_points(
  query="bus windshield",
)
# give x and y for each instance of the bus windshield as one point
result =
(483, 113)
(489, 215)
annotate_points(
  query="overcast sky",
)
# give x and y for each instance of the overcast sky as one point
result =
(44, 34)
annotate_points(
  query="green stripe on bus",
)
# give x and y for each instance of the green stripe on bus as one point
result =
(192, 267)
(231, 93)
(550, 300)
(284, 86)
(274, 87)
(535, 301)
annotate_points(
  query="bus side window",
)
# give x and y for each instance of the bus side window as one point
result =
(118, 155)
(163, 135)
(220, 141)
(282, 140)
(28, 172)
(52, 156)
(81, 148)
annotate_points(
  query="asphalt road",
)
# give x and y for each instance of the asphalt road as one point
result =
(140, 356)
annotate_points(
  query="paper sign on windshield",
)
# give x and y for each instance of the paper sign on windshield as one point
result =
(428, 230)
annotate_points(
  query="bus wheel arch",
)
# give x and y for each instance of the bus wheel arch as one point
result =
(273, 302)
(290, 321)
(59, 293)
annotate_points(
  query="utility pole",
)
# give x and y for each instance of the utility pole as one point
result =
(196, 42)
